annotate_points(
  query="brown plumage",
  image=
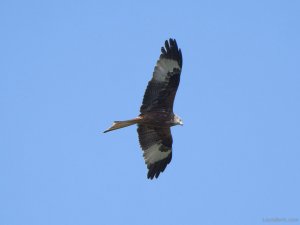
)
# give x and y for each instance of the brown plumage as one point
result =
(156, 113)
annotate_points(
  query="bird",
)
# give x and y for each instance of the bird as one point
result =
(156, 112)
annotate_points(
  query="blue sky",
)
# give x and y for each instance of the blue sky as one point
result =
(69, 68)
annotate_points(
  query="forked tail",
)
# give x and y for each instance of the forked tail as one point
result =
(120, 124)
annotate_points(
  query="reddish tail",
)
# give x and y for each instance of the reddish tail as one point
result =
(120, 124)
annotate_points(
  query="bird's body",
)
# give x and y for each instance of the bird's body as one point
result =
(157, 114)
(159, 119)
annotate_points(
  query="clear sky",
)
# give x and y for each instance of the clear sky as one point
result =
(69, 68)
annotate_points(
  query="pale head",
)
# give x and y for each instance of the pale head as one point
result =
(177, 120)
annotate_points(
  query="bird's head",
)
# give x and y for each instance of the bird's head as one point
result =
(178, 120)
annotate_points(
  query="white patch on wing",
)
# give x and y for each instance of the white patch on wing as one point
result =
(164, 66)
(153, 154)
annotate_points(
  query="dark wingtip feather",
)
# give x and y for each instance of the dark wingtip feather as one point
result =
(158, 167)
(171, 51)
(167, 45)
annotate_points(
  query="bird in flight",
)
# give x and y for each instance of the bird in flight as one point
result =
(156, 113)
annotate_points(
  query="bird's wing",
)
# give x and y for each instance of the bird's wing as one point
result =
(161, 89)
(156, 143)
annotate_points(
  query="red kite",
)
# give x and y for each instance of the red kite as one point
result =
(157, 114)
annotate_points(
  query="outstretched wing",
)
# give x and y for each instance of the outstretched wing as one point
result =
(156, 143)
(161, 89)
